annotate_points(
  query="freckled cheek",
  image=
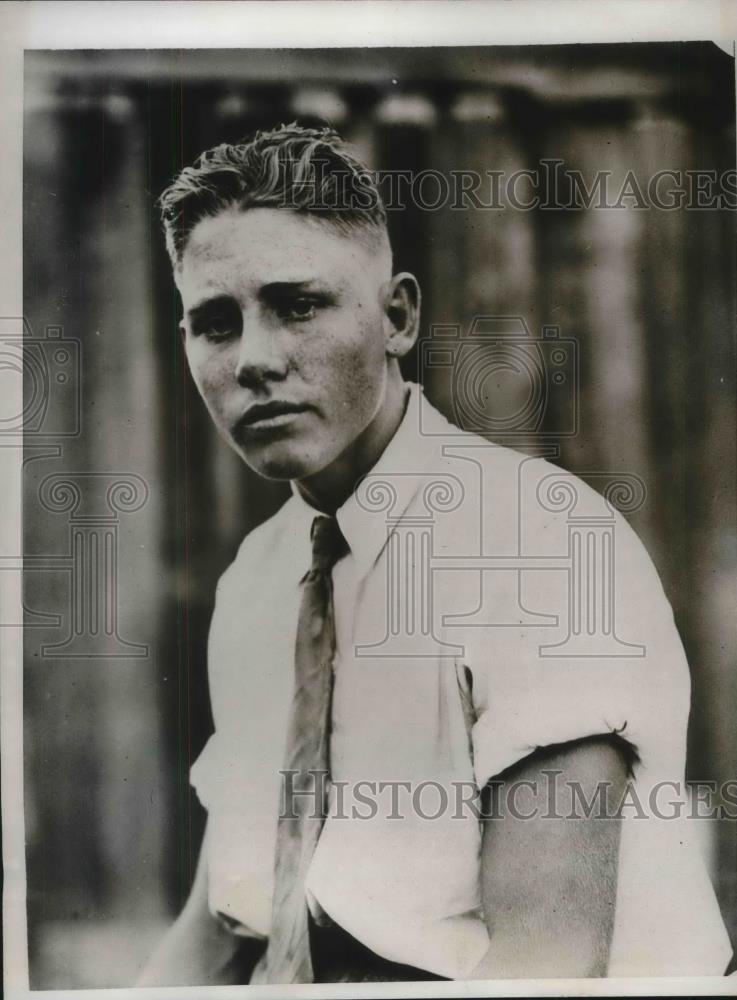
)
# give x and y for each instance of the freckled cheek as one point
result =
(360, 349)
(345, 371)
(212, 380)
(366, 360)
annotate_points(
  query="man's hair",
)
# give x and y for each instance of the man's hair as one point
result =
(307, 170)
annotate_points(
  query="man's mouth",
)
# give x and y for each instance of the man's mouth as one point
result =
(269, 416)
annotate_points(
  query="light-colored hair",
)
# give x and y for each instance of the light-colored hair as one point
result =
(306, 170)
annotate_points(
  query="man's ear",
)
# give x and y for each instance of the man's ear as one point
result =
(401, 314)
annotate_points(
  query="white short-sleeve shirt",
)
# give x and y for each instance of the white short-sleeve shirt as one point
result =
(490, 604)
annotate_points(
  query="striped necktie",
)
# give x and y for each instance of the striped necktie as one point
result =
(307, 761)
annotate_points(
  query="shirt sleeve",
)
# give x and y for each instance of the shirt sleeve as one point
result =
(203, 774)
(236, 776)
(525, 698)
(236, 856)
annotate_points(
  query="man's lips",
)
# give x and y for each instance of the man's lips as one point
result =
(264, 416)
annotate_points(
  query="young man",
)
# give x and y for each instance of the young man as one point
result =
(347, 680)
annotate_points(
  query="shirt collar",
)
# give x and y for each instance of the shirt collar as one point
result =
(367, 530)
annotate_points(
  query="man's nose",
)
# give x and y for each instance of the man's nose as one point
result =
(261, 356)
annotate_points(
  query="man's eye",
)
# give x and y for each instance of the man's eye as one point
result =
(301, 308)
(218, 327)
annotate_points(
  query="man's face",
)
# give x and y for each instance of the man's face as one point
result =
(284, 328)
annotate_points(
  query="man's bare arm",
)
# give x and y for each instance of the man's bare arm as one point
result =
(197, 950)
(549, 884)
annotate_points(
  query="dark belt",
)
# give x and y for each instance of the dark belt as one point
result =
(337, 957)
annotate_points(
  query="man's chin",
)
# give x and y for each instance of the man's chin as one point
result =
(278, 465)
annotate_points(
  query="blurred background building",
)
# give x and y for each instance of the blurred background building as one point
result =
(113, 828)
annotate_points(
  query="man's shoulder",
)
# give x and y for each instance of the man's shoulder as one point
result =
(529, 494)
(554, 497)
(448, 440)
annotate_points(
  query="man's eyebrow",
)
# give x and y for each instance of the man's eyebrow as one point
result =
(274, 288)
(206, 305)
(269, 292)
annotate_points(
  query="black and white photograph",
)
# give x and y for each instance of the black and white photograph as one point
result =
(368, 620)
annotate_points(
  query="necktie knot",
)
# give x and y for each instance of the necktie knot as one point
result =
(328, 544)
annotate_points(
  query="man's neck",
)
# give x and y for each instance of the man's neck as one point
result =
(328, 489)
